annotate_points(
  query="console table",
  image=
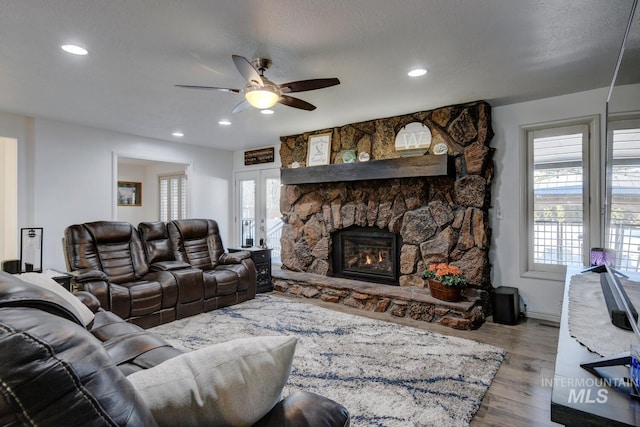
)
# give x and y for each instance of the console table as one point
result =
(579, 398)
(262, 259)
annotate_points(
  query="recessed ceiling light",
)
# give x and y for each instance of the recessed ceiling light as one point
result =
(178, 134)
(267, 112)
(417, 72)
(224, 123)
(74, 49)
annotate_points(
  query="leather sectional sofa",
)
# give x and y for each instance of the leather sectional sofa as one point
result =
(160, 271)
(62, 365)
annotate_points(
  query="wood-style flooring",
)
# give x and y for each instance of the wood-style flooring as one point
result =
(518, 395)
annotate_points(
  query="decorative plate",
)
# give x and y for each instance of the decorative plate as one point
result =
(440, 148)
(363, 157)
(349, 157)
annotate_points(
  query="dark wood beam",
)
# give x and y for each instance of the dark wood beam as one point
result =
(427, 165)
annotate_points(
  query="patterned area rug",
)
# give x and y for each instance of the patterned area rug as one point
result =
(385, 374)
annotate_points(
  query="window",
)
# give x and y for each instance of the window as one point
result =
(560, 219)
(173, 197)
(623, 190)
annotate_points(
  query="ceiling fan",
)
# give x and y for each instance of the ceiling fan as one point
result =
(260, 92)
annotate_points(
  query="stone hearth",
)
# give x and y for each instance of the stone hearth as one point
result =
(441, 218)
(410, 302)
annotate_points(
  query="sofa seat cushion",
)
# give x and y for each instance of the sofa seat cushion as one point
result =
(242, 273)
(145, 297)
(226, 281)
(232, 383)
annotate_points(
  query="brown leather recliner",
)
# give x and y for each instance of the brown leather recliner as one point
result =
(107, 259)
(228, 278)
(57, 372)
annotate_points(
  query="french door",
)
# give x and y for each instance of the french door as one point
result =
(257, 217)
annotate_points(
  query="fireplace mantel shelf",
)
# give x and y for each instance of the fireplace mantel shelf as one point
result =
(405, 167)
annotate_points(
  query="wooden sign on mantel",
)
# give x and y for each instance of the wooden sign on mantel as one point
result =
(256, 157)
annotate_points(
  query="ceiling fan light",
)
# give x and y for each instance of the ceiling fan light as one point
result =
(417, 72)
(261, 97)
(74, 49)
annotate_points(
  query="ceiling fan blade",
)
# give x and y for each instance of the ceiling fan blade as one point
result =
(220, 89)
(296, 103)
(304, 85)
(241, 106)
(246, 69)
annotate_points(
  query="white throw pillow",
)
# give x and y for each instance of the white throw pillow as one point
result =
(45, 282)
(234, 383)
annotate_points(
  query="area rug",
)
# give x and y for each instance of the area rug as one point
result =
(385, 374)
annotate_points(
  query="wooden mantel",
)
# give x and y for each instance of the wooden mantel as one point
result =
(405, 167)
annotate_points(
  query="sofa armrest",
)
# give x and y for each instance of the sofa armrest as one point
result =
(87, 275)
(88, 299)
(303, 409)
(234, 257)
(99, 289)
(169, 265)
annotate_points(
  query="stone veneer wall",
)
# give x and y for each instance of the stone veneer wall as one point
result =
(440, 219)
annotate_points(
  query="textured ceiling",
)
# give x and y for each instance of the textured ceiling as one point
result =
(502, 51)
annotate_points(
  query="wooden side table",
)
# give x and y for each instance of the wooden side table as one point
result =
(262, 259)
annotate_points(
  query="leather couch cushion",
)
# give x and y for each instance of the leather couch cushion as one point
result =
(156, 241)
(55, 373)
(119, 249)
(232, 383)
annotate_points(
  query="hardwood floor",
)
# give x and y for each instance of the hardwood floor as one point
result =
(518, 395)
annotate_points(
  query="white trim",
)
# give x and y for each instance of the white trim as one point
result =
(592, 222)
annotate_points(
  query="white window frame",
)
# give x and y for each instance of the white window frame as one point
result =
(593, 233)
(183, 193)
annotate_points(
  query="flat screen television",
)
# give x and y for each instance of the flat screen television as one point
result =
(617, 303)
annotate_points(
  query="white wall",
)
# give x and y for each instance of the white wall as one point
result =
(20, 128)
(9, 197)
(66, 176)
(543, 297)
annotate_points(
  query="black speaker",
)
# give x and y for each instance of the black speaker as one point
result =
(11, 266)
(506, 305)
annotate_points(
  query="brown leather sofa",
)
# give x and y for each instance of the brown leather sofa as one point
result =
(197, 242)
(56, 371)
(158, 272)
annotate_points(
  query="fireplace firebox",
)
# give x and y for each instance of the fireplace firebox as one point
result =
(366, 253)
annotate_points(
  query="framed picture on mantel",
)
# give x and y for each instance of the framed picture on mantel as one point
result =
(319, 149)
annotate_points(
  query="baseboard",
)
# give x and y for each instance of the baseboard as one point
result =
(544, 316)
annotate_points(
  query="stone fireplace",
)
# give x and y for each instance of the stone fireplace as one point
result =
(366, 253)
(437, 213)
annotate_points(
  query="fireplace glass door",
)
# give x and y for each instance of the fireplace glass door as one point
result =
(366, 254)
